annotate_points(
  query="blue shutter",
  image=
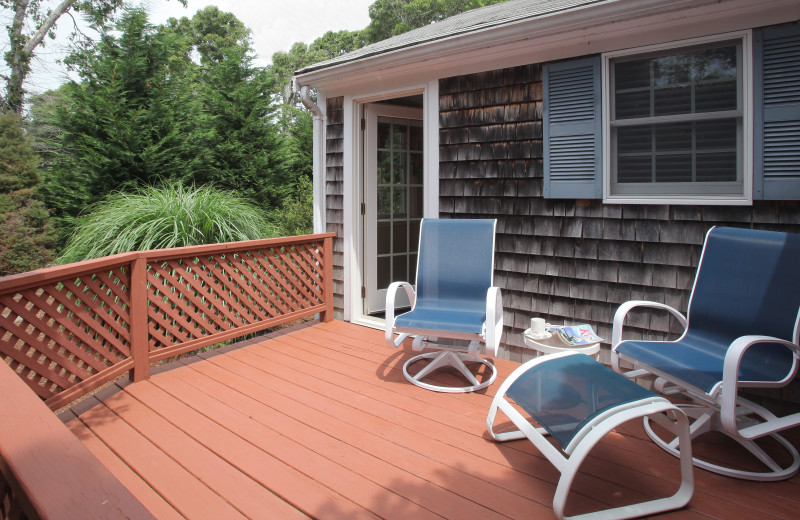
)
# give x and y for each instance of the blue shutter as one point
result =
(572, 130)
(776, 118)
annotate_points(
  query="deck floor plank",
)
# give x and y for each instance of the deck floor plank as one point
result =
(242, 492)
(296, 488)
(154, 502)
(180, 488)
(320, 422)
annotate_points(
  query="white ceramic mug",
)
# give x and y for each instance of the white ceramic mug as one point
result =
(538, 326)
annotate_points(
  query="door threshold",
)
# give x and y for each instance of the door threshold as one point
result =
(373, 322)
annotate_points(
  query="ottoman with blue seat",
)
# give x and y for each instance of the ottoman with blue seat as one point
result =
(577, 401)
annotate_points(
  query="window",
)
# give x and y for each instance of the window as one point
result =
(676, 121)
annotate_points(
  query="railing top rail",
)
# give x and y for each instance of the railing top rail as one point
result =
(177, 252)
(29, 279)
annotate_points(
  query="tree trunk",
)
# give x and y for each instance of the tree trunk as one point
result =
(22, 47)
(18, 61)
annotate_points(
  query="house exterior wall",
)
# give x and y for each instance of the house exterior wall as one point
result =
(569, 261)
(334, 190)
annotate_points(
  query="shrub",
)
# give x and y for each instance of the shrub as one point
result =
(164, 216)
(295, 216)
(27, 237)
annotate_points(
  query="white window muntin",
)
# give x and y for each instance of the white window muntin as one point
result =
(737, 192)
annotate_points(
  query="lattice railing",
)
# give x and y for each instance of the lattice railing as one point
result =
(67, 330)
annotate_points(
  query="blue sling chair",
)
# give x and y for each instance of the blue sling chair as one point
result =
(454, 299)
(741, 331)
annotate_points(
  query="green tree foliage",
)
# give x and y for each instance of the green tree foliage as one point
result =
(296, 215)
(239, 145)
(124, 123)
(41, 125)
(163, 216)
(177, 102)
(392, 17)
(27, 238)
(33, 20)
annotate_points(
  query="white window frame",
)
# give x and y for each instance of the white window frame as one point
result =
(747, 124)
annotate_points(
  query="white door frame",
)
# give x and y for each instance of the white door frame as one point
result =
(353, 239)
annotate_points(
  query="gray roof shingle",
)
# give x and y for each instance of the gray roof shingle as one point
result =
(496, 15)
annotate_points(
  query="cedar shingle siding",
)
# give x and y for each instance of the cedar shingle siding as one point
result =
(334, 190)
(567, 260)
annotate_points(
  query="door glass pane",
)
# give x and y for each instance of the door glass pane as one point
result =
(384, 238)
(384, 135)
(399, 203)
(400, 237)
(415, 202)
(415, 142)
(384, 168)
(400, 267)
(384, 271)
(384, 203)
(415, 169)
(399, 165)
(413, 235)
(400, 137)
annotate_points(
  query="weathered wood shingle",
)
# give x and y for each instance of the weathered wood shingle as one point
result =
(334, 190)
(566, 260)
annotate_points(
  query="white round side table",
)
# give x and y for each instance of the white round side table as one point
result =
(553, 345)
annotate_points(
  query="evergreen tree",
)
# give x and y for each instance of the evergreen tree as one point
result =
(392, 17)
(123, 124)
(26, 233)
(234, 115)
(181, 101)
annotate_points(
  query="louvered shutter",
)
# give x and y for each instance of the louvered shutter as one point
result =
(572, 129)
(776, 119)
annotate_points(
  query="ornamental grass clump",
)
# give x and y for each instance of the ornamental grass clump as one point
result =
(169, 215)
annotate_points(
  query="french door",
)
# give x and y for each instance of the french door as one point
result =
(393, 199)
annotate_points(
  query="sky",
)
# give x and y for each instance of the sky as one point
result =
(275, 26)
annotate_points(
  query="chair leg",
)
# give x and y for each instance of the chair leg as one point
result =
(452, 359)
(705, 419)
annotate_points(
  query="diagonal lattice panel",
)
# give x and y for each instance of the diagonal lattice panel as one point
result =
(288, 280)
(191, 298)
(59, 334)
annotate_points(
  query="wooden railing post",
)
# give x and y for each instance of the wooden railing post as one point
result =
(138, 312)
(327, 275)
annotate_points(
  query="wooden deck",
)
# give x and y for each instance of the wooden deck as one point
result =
(319, 422)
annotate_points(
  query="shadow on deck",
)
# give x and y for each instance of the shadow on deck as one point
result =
(318, 421)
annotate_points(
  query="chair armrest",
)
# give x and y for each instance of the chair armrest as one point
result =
(391, 294)
(625, 308)
(731, 384)
(494, 320)
(619, 320)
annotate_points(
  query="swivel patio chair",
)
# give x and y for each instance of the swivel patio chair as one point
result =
(454, 300)
(741, 331)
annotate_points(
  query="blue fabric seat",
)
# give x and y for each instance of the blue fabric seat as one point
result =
(741, 329)
(454, 298)
(567, 393)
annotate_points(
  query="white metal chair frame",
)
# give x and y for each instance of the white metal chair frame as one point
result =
(569, 461)
(720, 407)
(448, 355)
(723, 411)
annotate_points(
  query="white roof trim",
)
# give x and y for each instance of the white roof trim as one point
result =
(556, 36)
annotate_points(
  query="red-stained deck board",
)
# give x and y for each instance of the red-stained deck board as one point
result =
(320, 422)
